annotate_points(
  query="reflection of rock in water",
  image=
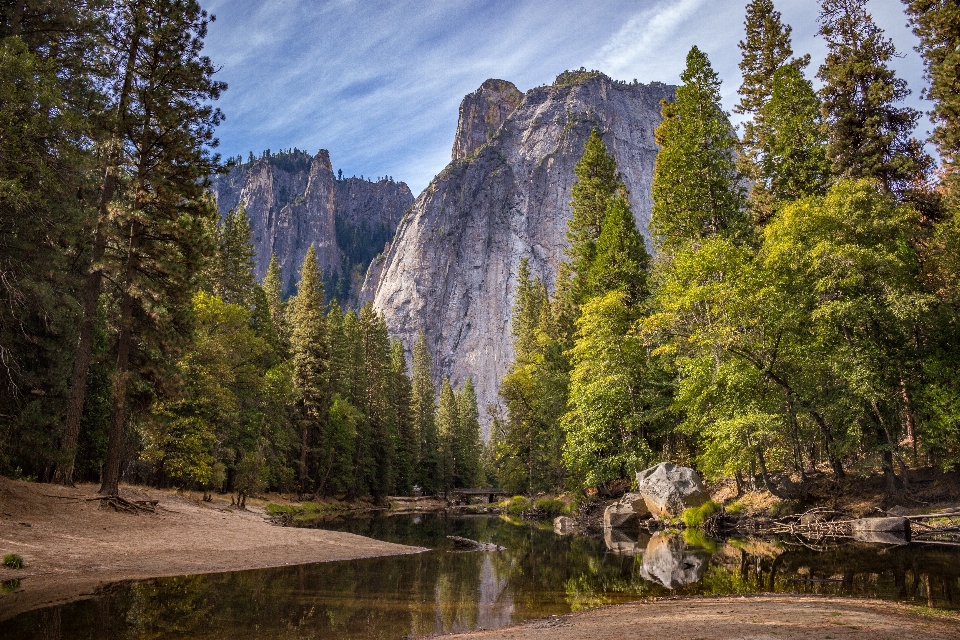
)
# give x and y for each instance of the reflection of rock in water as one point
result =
(495, 607)
(622, 542)
(669, 561)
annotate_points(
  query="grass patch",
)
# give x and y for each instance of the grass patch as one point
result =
(735, 508)
(516, 505)
(13, 560)
(933, 612)
(10, 586)
(552, 507)
(696, 516)
(305, 511)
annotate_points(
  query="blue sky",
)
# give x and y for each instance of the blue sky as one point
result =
(379, 83)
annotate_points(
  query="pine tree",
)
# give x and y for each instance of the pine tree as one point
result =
(597, 181)
(870, 137)
(937, 24)
(231, 270)
(697, 189)
(765, 49)
(470, 445)
(793, 153)
(621, 260)
(42, 226)
(408, 438)
(424, 417)
(310, 347)
(379, 409)
(163, 216)
(273, 288)
(448, 427)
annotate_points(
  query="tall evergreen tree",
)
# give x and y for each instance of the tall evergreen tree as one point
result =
(937, 24)
(164, 211)
(526, 444)
(309, 344)
(424, 407)
(273, 288)
(231, 269)
(765, 49)
(697, 189)
(793, 152)
(470, 444)
(448, 427)
(870, 136)
(598, 180)
(621, 256)
(42, 224)
(379, 409)
(408, 438)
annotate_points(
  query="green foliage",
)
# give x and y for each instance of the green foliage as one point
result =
(937, 25)
(551, 507)
(448, 427)
(792, 152)
(516, 505)
(696, 516)
(423, 408)
(697, 189)
(870, 137)
(621, 258)
(606, 434)
(597, 182)
(231, 269)
(13, 561)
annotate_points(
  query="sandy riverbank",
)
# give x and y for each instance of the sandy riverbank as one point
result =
(71, 547)
(760, 617)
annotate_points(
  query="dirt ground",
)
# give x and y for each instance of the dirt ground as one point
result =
(755, 618)
(71, 547)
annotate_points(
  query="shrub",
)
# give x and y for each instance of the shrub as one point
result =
(516, 505)
(551, 507)
(696, 516)
(13, 561)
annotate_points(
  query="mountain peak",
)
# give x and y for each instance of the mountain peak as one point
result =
(481, 114)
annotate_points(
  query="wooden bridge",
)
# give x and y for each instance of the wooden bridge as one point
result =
(466, 494)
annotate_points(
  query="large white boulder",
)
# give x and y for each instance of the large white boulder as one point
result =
(668, 489)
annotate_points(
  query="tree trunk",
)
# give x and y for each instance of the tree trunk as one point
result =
(91, 295)
(118, 420)
(17, 17)
(767, 482)
(303, 457)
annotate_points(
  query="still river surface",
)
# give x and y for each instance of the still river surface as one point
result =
(539, 574)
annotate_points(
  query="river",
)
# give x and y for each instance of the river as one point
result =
(538, 574)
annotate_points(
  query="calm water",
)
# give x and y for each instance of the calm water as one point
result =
(539, 574)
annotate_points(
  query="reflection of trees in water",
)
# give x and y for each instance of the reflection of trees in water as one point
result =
(538, 575)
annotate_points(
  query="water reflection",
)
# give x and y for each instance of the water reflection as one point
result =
(539, 574)
(673, 563)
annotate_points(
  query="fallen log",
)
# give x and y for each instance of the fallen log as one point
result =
(466, 544)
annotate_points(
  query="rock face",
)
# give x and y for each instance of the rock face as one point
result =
(627, 512)
(668, 490)
(481, 114)
(452, 266)
(294, 200)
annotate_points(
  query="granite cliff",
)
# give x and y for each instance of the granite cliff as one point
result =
(294, 200)
(451, 268)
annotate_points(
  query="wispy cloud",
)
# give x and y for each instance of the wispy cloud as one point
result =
(378, 83)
